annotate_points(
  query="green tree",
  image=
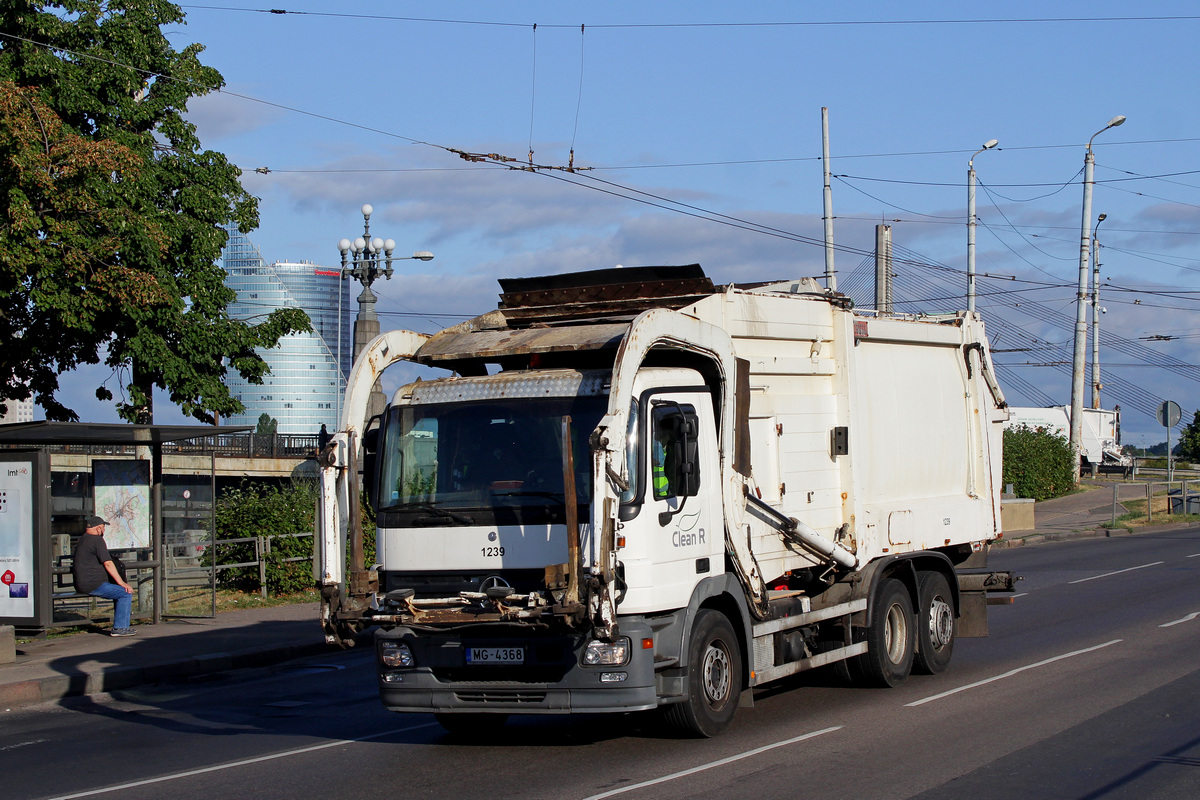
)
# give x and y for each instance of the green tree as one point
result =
(111, 213)
(264, 435)
(1189, 440)
(1038, 463)
(267, 426)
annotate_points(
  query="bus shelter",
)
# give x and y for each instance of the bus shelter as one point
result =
(133, 504)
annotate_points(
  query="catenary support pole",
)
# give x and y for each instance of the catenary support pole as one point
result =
(830, 273)
(1077, 362)
(883, 269)
(971, 220)
(1096, 312)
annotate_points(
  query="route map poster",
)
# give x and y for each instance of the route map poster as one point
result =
(122, 497)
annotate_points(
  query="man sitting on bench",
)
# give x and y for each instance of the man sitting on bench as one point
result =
(96, 574)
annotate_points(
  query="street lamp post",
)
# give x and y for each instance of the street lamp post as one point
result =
(1096, 311)
(364, 260)
(1077, 362)
(988, 145)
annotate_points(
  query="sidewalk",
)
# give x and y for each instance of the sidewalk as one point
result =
(1076, 515)
(93, 662)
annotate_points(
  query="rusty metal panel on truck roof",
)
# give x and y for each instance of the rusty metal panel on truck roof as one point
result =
(619, 292)
(483, 344)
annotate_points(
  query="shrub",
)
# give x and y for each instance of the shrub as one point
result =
(1038, 463)
(252, 511)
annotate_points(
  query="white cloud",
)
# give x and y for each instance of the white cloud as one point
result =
(219, 116)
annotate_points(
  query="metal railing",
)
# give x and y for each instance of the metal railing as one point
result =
(1183, 500)
(237, 445)
(262, 546)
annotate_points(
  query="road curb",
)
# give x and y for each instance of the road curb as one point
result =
(1036, 538)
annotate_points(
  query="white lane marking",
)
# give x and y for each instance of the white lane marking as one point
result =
(1188, 618)
(1118, 572)
(1010, 673)
(258, 759)
(22, 744)
(1194, 555)
(712, 764)
(1015, 596)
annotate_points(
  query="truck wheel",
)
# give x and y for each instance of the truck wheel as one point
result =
(935, 623)
(471, 724)
(891, 637)
(714, 677)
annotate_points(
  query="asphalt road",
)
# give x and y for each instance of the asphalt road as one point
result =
(1088, 687)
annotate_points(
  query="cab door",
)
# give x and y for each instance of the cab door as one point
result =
(683, 499)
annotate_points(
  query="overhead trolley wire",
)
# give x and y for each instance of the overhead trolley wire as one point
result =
(685, 25)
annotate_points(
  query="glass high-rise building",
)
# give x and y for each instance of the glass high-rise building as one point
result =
(301, 391)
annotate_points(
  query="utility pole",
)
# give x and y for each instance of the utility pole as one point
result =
(1096, 385)
(971, 220)
(1077, 361)
(883, 269)
(830, 275)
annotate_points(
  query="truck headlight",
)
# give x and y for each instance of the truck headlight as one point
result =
(609, 654)
(395, 654)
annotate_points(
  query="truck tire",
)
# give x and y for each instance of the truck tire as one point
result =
(935, 623)
(467, 725)
(891, 638)
(714, 677)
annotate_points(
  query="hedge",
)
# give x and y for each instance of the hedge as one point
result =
(1038, 463)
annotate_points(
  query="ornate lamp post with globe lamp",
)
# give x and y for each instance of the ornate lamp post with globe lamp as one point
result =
(364, 259)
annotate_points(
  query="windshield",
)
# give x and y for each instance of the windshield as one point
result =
(483, 457)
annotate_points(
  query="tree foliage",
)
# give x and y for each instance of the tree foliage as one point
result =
(1038, 463)
(111, 213)
(254, 511)
(267, 426)
(1189, 440)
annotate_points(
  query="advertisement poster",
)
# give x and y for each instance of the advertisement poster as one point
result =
(17, 548)
(123, 499)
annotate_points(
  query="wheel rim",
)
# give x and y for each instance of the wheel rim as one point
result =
(941, 623)
(717, 668)
(895, 633)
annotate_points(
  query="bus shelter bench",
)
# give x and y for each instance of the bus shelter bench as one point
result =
(72, 607)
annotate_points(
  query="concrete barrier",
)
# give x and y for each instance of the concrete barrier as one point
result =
(1016, 514)
(8, 644)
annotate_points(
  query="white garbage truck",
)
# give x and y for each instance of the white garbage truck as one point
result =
(1100, 434)
(634, 489)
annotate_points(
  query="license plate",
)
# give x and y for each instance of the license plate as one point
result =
(495, 655)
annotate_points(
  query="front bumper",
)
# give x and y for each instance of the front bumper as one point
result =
(552, 681)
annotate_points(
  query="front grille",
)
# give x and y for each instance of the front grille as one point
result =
(507, 696)
(526, 673)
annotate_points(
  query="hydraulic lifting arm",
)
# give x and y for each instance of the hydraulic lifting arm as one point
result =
(347, 589)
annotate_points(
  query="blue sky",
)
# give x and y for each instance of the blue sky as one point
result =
(717, 106)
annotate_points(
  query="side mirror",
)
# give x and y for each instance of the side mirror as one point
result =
(687, 462)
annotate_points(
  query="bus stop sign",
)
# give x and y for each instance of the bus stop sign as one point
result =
(1168, 414)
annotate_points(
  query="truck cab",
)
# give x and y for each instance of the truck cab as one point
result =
(470, 473)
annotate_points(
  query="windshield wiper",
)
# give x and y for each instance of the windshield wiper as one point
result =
(552, 495)
(428, 505)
